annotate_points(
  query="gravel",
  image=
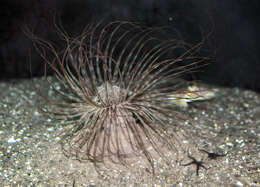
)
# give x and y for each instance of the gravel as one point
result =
(228, 125)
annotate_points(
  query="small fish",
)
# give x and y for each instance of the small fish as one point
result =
(193, 93)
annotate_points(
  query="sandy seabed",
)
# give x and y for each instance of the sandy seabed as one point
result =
(30, 153)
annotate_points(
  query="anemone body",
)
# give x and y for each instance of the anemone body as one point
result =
(118, 79)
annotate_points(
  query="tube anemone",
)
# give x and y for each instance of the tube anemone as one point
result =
(118, 79)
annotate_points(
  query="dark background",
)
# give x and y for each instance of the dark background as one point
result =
(232, 27)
